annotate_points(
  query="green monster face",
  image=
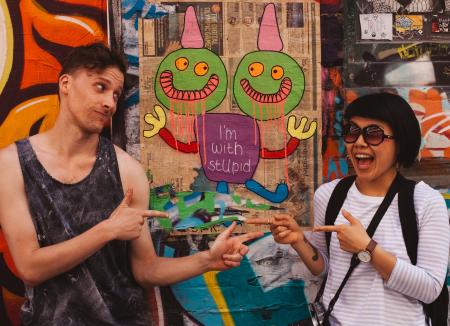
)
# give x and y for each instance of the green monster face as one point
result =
(268, 84)
(190, 81)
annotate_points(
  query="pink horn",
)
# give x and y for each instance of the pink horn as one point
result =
(269, 36)
(192, 37)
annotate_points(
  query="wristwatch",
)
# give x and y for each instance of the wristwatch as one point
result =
(366, 255)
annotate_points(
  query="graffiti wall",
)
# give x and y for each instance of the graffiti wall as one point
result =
(230, 118)
(33, 41)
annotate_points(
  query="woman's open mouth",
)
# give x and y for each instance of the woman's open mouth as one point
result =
(166, 81)
(363, 161)
(283, 92)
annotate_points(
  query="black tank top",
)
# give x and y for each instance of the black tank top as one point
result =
(101, 290)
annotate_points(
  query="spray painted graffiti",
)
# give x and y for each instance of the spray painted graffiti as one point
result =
(334, 157)
(227, 134)
(267, 289)
(33, 41)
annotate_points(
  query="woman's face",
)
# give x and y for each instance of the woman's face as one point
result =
(372, 163)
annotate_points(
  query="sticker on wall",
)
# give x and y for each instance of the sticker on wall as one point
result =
(376, 26)
(408, 26)
(440, 24)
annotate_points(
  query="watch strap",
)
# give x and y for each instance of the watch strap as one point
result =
(371, 246)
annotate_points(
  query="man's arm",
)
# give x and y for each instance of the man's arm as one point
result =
(150, 269)
(35, 264)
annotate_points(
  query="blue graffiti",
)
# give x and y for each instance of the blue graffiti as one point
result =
(132, 10)
(141, 9)
(247, 301)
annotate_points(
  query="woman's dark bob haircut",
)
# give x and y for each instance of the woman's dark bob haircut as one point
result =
(398, 114)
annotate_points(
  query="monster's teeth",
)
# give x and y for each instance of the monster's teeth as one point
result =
(197, 95)
(279, 98)
(166, 74)
(207, 91)
(185, 95)
(285, 90)
(170, 92)
(214, 81)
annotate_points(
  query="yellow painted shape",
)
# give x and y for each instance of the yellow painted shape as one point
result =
(20, 119)
(214, 289)
(4, 75)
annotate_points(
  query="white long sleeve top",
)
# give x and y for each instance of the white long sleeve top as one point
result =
(366, 298)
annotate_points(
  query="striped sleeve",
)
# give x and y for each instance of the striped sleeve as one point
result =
(317, 239)
(424, 280)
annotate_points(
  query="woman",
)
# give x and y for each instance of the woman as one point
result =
(381, 134)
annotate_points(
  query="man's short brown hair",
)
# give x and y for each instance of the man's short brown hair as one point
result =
(95, 56)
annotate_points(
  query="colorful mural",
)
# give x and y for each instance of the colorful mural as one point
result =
(224, 113)
(33, 41)
(189, 84)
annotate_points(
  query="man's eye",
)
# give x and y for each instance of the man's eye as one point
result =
(100, 87)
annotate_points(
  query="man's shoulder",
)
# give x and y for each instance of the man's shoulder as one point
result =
(10, 166)
(127, 163)
(8, 155)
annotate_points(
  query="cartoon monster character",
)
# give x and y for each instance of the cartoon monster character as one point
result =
(268, 84)
(189, 82)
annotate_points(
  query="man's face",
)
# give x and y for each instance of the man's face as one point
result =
(91, 97)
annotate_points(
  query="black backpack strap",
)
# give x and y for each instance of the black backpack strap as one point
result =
(408, 217)
(437, 311)
(335, 203)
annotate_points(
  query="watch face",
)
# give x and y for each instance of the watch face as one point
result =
(364, 256)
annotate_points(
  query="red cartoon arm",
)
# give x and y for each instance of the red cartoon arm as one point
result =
(291, 146)
(166, 135)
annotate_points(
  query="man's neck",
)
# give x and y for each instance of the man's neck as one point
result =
(69, 141)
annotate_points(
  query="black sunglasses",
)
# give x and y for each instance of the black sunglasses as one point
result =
(372, 134)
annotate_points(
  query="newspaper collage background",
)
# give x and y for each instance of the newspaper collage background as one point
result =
(216, 145)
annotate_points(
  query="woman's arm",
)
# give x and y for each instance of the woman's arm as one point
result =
(424, 281)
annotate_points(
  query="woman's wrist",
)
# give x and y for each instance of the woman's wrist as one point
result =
(301, 240)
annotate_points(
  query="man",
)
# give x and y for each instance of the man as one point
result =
(80, 244)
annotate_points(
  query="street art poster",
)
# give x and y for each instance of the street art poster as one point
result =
(230, 110)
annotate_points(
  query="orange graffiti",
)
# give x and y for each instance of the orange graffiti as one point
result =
(20, 120)
(434, 122)
(40, 66)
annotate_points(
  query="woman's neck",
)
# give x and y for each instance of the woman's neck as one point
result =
(377, 187)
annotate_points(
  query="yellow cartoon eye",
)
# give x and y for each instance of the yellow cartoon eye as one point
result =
(277, 72)
(256, 69)
(201, 68)
(182, 63)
